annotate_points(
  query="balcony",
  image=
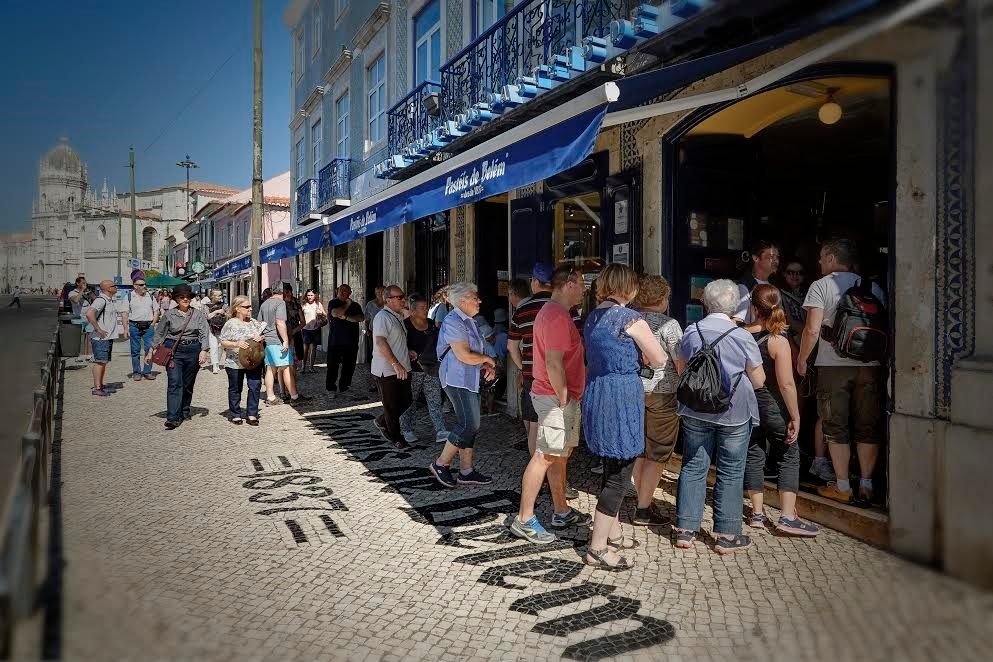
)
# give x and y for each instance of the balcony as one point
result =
(333, 186)
(414, 117)
(557, 48)
(306, 204)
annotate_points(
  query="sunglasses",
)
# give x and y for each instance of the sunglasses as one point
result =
(396, 296)
(245, 305)
(791, 272)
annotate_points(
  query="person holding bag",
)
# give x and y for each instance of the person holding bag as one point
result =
(422, 340)
(314, 318)
(180, 343)
(235, 336)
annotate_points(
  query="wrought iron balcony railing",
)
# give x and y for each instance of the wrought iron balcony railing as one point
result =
(530, 36)
(414, 116)
(306, 199)
(333, 188)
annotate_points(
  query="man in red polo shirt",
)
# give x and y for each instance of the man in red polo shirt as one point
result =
(559, 377)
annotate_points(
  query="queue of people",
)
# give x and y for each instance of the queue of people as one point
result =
(624, 378)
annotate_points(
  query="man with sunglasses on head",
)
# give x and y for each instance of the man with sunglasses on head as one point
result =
(140, 317)
(391, 364)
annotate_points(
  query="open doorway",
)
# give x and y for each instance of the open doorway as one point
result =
(807, 161)
(492, 271)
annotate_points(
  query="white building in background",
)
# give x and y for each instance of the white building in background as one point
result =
(15, 261)
(74, 229)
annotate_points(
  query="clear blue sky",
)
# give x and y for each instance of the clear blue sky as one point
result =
(112, 73)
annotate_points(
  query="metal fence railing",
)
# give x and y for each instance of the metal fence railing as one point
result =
(22, 506)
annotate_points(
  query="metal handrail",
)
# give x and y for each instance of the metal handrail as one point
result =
(19, 518)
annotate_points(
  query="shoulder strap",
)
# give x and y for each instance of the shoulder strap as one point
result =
(719, 338)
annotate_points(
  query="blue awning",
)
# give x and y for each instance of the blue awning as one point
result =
(234, 266)
(541, 155)
(308, 240)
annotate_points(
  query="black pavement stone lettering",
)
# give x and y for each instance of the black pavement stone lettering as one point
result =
(274, 483)
(270, 474)
(617, 608)
(554, 571)
(376, 456)
(258, 465)
(534, 604)
(526, 549)
(495, 534)
(407, 478)
(651, 633)
(332, 527)
(273, 511)
(284, 461)
(486, 508)
(298, 535)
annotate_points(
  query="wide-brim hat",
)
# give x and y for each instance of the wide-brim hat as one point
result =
(251, 356)
(181, 290)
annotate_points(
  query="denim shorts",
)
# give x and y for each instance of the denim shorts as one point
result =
(102, 349)
(311, 336)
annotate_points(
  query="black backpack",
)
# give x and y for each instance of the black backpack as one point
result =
(700, 386)
(861, 325)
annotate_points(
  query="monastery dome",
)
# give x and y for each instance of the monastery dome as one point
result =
(62, 157)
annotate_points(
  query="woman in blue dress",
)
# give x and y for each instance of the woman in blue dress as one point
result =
(617, 342)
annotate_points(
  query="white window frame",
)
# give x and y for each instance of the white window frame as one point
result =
(341, 8)
(316, 144)
(299, 158)
(298, 54)
(342, 132)
(426, 39)
(378, 115)
(316, 24)
(496, 5)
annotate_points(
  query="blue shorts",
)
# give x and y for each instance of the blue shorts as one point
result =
(101, 349)
(274, 356)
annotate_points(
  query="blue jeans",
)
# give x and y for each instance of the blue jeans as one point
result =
(465, 403)
(727, 447)
(236, 381)
(141, 344)
(182, 375)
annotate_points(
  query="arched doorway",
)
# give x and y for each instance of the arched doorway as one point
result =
(808, 160)
(148, 244)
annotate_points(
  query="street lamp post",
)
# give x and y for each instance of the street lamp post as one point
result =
(187, 163)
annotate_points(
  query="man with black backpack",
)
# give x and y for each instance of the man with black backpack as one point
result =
(848, 323)
(718, 408)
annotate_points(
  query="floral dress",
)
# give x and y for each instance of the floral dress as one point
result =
(235, 330)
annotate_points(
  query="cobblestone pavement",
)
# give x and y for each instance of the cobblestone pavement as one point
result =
(309, 538)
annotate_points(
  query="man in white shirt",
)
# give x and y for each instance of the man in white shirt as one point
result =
(140, 319)
(847, 389)
(391, 364)
(765, 262)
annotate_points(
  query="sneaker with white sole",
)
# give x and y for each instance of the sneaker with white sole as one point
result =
(410, 437)
(532, 531)
(571, 518)
(473, 478)
(821, 468)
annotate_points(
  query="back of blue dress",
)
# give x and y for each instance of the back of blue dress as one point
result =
(614, 400)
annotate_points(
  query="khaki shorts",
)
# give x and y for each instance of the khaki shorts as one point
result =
(850, 394)
(558, 427)
(661, 426)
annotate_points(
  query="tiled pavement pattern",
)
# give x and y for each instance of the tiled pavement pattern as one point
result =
(309, 538)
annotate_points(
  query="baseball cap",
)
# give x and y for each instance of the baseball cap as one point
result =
(542, 273)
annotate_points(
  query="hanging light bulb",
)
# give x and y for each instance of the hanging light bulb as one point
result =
(830, 111)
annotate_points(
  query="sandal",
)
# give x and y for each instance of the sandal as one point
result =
(623, 543)
(601, 563)
(683, 539)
